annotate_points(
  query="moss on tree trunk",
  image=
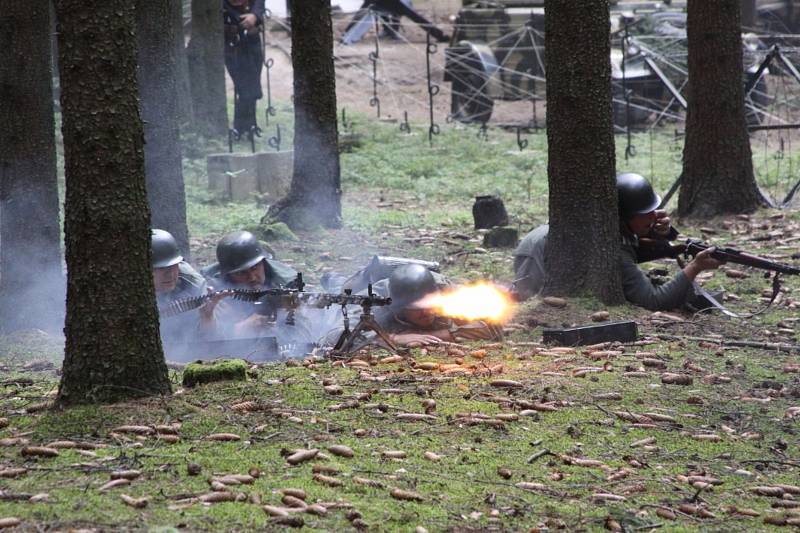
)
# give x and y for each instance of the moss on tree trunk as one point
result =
(717, 173)
(582, 254)
(113, 350)
(31, 281)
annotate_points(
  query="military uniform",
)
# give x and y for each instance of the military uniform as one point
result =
(244, 58)
(529, 270)
(238, 252)
(404, 297)
(185, 326)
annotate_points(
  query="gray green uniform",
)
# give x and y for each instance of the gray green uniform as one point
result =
(230, 312)
(185, 326)
(529, 269)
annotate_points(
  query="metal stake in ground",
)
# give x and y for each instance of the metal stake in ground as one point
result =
(269, 111)
(433, 89)
(275, 142)
(373, 56)
(521, 143)
(630, 150)
(405, 127)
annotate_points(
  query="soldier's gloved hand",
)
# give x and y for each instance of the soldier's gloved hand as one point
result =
(662, 223)
(414, 340)
(248, 21)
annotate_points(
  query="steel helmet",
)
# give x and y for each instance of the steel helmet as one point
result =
(409, 284)
(238, 251)
(636, 195)
(164, 248)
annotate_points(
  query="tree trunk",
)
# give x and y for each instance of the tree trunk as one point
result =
(749, 14)
(582, 255)
(31, 280)
(315, 194)
(158, 97)
(717, 173)
(207, 69)
(185, 107)
(113, 350)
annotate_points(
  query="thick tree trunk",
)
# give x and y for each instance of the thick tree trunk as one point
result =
(207, 69)
(185, 107)
(582, 256)
(717, 173)
(31, 280)
(113, 350)
(158, 95)
(315, 195)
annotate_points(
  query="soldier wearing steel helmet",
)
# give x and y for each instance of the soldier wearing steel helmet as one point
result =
(174, 279)
(645, 232)
(410, 321)
(243, 264)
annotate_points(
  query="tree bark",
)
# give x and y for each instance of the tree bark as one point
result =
(749, 14)
(582, 254)
(113, 350)
(207, 69)
(315, 194)
(185, 107)
(31, 280)
(717, 175)
(158, 94)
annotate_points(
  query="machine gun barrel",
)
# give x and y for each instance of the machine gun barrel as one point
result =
(732, 255)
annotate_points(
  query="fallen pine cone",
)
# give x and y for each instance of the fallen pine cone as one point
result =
(301, 456)
(399, 494)
(114, 483)
(136, 503)
(554, 301)
(137, 430)
(217, 497)
(676, 379)
(223, 437)
(38, 451)
(506, 384)
(341, 450)
(327, 480)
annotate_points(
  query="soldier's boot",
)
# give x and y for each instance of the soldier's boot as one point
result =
(244, 117)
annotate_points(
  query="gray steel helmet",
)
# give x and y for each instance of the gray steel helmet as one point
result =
(636, 195)
(165, 249)
(409, 284)
(238, 251)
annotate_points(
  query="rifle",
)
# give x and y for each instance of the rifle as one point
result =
(232, 17)
(733, 256)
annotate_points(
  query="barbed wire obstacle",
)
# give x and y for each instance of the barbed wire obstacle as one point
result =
(773, 99)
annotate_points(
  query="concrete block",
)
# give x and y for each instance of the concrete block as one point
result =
(233, 176)
(275, 172)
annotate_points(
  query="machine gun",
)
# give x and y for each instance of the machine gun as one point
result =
(366, 322)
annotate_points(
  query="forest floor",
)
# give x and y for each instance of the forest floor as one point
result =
(509, 435)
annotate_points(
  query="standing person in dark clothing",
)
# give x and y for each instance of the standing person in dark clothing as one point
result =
(244, 58)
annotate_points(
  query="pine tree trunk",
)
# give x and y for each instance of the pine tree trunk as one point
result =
(31, 281)
(185, 107)
(582, 254)
(113, 350)
(717, 173)
(207, 69)
(315, 194)
(158, 97)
